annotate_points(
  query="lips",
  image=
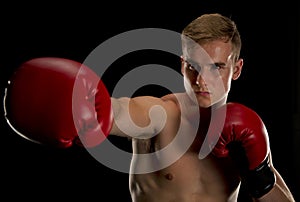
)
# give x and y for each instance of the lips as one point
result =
(203, 93)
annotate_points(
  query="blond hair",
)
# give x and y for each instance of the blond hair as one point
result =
(209, 27)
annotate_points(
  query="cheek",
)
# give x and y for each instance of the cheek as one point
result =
(187, 81)
(226, 77)
(220, 86)
(191, 77)
(226, 82)
(187, 84)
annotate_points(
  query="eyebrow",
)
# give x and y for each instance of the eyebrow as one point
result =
(195, 64)
(219, 64)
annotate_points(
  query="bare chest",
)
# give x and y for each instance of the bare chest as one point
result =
(167, 167)
(184, 177)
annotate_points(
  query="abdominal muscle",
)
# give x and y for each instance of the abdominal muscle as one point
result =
(189, 179)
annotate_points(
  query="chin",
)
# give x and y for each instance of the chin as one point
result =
(204, 103)
(209, 102)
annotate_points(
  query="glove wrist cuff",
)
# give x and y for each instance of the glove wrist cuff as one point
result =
(260, 180)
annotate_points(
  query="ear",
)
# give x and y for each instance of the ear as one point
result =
(237, 69)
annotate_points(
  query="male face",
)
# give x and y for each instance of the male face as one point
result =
(208, 71)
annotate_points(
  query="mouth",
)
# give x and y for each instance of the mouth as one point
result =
(203, 93)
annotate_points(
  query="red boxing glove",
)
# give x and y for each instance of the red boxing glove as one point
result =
(56, 101)
(244, 127)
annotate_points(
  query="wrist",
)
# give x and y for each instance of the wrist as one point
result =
(260, 180)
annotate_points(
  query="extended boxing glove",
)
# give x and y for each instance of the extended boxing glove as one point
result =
(244, 129)
(58, 102)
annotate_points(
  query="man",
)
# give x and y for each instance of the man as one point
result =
(190, 146)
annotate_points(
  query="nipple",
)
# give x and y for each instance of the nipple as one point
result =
(169, 176)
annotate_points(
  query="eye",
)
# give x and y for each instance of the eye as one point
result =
(217, 66)
(190, 67)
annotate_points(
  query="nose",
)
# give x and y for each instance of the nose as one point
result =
(203, 77)
(206, 76)
(200, 80)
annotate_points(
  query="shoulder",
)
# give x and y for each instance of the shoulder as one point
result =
(177, 99)
(180, 101)
(171, 103)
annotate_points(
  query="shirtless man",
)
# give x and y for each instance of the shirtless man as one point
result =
(203, 163)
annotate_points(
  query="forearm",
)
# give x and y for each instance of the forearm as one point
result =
(276, 194)
(280, 192)
(117, 132)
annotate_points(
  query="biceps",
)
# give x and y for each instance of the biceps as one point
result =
(137, 118)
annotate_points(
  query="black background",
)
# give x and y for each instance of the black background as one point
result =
(268, 83)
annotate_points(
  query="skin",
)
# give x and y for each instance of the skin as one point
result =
(189, 179)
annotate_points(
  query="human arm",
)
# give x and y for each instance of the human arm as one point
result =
(139, 117)
(244, 137)
(59, 102)
(280, 191)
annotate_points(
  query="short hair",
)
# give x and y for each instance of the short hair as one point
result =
(214, 26)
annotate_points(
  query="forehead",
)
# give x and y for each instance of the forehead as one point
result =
(210, 52)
